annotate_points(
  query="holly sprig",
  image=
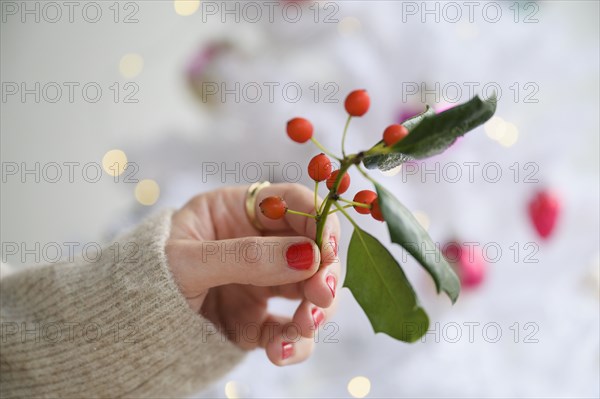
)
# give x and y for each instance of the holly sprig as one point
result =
(374, 276)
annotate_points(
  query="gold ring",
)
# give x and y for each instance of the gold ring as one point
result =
(251, 195)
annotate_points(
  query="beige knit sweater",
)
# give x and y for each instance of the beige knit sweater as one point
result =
(117, 327)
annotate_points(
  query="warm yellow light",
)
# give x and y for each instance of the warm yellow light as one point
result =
(131, 65)
(147, 192)
(114, 162)
(510, 136)
(359, 387)
(349, 25)
(232, 390)
(392, 172)
(422, 218)
(505, 133)
(495, 128)
(186, 7)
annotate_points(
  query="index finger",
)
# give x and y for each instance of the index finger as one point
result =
(231, 220)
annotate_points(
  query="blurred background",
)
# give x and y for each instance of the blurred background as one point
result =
(111, 111)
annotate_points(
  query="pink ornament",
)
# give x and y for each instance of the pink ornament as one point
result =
(202, 58)
(200, 67)
(543, 211)
(468, 263)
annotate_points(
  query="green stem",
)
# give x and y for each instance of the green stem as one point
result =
(366, 175)
(347, 216)
(336, 210)
(353, 203)
(322, 148)
(344, 136)
(379, 148)
(346, 163)
(316, 201)
(323, 204)
(308, 215)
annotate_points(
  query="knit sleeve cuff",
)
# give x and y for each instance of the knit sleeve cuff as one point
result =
(113, 325)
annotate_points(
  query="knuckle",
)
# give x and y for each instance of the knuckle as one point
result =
(299, 190)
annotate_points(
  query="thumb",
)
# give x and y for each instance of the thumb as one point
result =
(260, 261)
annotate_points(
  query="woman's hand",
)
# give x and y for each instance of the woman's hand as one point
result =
(227, 269)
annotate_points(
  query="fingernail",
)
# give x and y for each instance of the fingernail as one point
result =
(330, 280)
(287, 350)
(333, 240)
(318, 316)
(300, 256)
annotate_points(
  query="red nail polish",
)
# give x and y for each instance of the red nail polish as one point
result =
(330, 280)
(300, 256)
(318, 316)
(333, 240)
(287, 350)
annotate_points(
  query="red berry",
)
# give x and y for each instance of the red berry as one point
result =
(357, 103)
(376, 210)
(364, 197)
(273, 207)
(344, 183)
(319, 168)
(393, 134)
(300, 130)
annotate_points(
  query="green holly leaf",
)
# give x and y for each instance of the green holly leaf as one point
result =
(406, 231)
(390, 161)
(435, 133)
(382, 290)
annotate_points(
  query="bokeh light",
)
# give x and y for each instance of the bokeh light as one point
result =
(186, 7)
(495, 128)
(392, 172)
(114, 162)
(510, 136)
(147, 192)
(232, 390)
(505, 133)
(359, 387)
(131, 65)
